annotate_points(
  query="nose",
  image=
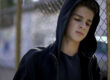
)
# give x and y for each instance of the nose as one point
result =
(83, 25)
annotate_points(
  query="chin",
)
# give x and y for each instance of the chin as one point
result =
(78, 39)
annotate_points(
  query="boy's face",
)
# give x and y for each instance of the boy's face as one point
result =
(79, 24)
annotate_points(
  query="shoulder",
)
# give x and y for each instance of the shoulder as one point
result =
(36, 55)
(35, 52)
(95, 68)
(94, 58)
(95, 64)
(30, 63)
(33, 55)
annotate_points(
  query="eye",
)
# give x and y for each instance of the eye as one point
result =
(88, 24)
(77, 19)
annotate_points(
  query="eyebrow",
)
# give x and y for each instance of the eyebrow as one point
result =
(81, 17)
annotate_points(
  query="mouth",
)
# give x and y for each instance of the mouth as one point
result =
(80, 33)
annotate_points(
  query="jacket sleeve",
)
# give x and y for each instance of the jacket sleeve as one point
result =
(96, 69)
(26, 67)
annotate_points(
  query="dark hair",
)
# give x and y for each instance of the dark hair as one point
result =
(91, 4)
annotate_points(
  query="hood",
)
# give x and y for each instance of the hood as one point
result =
(88, 45)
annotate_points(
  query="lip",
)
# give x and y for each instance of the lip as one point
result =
(80, 33)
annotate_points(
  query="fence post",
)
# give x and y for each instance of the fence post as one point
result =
(18, 32)
(108, 35)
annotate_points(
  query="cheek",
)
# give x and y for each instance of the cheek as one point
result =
(71, 26)
(70, 29)
(72, 23)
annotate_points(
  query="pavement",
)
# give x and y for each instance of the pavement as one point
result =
(6, 73)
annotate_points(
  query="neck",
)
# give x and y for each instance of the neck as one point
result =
(69, 47)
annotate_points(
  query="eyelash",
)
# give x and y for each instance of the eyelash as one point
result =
(87, 24)
(77, 19)
(80, 20)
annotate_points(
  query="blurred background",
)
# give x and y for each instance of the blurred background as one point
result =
(38, 25)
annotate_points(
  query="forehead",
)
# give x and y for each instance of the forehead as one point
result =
(84, 12)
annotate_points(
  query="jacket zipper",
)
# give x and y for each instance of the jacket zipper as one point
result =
(57, 65)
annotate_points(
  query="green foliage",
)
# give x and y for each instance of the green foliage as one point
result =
(6, 3)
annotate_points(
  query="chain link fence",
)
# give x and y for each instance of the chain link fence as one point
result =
(39, 20)
(45, 26)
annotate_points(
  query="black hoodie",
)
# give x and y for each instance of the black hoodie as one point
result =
(89, 44)
(43, 64)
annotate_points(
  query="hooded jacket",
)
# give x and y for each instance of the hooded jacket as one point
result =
(42, 63)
